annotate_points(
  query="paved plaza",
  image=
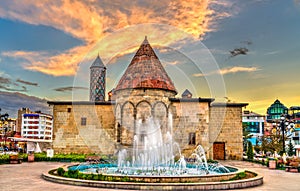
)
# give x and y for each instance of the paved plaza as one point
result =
(27, 176)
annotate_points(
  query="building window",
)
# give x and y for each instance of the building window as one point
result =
(83, 121)
(192, 138)
(252, 127)
(69, 110)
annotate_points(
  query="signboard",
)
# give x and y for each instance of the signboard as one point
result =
(297, 126)
(50, 153)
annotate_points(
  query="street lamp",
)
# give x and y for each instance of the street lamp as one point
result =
(285, 124)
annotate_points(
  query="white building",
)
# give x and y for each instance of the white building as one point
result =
(254, 123)
(37, 126)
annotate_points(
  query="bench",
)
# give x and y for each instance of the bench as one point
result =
(14, 159)
(92, 159)
(291, 169)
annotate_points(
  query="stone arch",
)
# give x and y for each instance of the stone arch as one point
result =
(143, 109)
(118, 130)
(118, 112)
(170, 109)
(128, 113)
(124, 104)
(160, 112)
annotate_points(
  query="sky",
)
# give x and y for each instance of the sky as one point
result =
(231, 50)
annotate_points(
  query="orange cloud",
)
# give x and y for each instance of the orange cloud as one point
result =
(224, 71)
(91, 21)
(238, 69)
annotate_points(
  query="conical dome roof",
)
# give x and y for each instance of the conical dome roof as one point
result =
(98, 63)
(145, 71)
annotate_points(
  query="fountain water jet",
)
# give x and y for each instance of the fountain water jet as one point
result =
(153, 151)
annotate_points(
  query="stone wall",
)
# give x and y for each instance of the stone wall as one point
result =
(226, 126)
(71, 136)
(190, 117)
(104, 133)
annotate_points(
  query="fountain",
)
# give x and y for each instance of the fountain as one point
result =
(150, 165)
(153, 154)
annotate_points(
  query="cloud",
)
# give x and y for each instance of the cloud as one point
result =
(12, 101)
(172, 63)
(7, 84)
(91, 21)
(5, 81)
(70, 89)
(229, 70)
(272, 52)
(238, 69)
(27, 83)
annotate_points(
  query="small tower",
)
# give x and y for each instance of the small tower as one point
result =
(186, 94)
(97, 80)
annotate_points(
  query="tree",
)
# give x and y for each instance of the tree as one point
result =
(272, 143)
(291, 149)
(250, 153)
(246, 136)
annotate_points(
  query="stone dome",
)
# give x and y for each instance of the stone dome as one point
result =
(145, 71)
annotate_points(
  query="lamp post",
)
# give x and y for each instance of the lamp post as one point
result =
(285, 124)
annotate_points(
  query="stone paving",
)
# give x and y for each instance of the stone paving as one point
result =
(273, 179)
(27, 176)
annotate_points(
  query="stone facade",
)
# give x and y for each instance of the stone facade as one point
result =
(226, 127)
(83, 127)
(103, 133)
(190, 117)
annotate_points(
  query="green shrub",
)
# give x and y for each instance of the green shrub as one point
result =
(89, 176)
(4, 159)
(60, 171)
(212, 161)
(239, 176)
(66, 174)
(101, 177)
(95, 177)
(250, 154)
(23, 156)
(73, 173)
(125, 179)
(84, 176)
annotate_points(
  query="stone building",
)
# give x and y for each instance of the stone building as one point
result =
(146, 91)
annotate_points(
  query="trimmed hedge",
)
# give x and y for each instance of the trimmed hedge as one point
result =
(60, 157)
(4, 158)
(99, 177)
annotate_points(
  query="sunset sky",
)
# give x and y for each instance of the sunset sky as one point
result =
(47, 47)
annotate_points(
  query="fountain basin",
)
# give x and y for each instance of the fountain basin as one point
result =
(199, 182)
(169, 175)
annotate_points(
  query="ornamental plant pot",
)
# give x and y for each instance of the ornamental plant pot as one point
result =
(272, 164)
(31, 157)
